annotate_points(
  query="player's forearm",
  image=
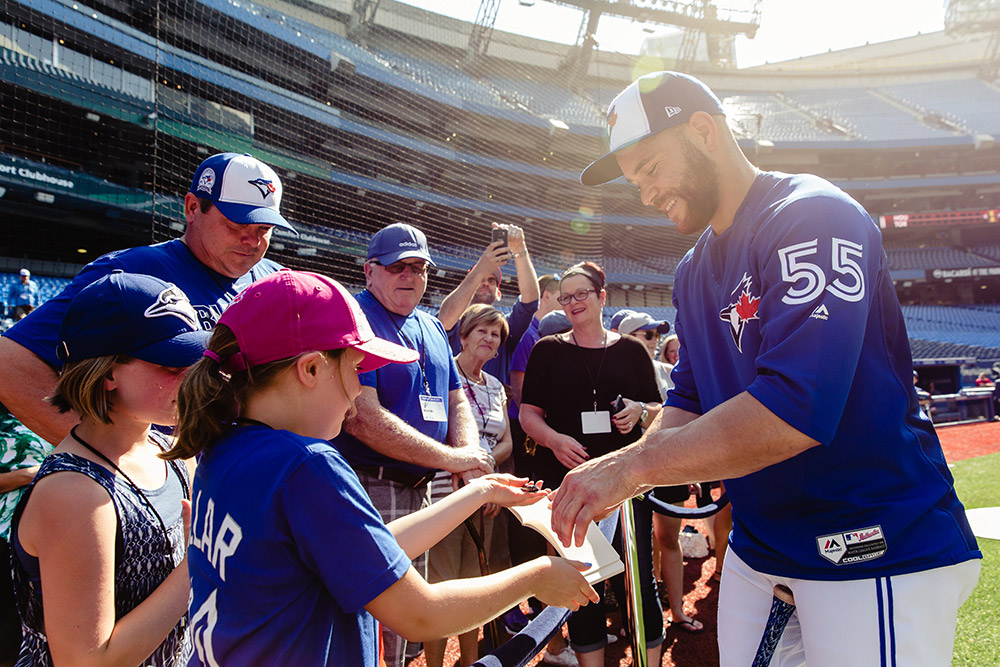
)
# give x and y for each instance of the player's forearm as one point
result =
(737, 438)
(25, 382)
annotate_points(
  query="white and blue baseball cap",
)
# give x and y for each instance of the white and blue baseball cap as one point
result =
(398, 241)
(244, 189)
(138, 315)
(649, 104)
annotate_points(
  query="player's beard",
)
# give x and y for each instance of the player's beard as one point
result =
(699, 189)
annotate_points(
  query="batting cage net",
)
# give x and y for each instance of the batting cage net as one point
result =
(370, 112)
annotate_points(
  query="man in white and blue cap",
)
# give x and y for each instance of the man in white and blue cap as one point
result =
(410, 422)
(794, 386)
(231, 207)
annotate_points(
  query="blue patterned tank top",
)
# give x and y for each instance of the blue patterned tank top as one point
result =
(143, 560)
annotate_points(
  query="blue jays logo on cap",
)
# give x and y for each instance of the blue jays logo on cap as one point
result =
(266, 187)
(172, 302)
(138, 315)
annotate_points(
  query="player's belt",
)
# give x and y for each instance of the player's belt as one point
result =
(399, 476)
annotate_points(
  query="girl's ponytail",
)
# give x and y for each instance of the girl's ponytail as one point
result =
(207, 401)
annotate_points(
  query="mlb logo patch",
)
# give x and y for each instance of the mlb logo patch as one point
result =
(206, 183)
(855, 546)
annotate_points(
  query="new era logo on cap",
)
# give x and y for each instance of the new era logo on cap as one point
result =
(648, 105)
(244, 189)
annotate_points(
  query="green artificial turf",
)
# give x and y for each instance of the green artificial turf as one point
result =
(977, 641)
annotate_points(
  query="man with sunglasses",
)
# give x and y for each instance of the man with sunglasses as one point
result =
(413, 420)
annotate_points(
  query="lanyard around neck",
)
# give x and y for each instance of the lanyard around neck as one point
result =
(600, 367)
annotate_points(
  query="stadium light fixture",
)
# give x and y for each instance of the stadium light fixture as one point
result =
(82, 251)
(45, 197)
(440, 273)
(92, 117)
(556, 125)
(639, 288)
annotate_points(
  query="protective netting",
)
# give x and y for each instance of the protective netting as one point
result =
(396, 123)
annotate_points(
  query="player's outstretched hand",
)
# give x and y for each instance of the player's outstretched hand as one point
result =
(563, 584)
(589, 493)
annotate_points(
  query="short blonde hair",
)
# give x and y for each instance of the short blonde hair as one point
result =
(480, 313)
(81, 387)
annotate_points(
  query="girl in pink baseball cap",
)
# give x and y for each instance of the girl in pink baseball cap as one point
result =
(289, 561)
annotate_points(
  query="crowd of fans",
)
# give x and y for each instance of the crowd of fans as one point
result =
(326, 443)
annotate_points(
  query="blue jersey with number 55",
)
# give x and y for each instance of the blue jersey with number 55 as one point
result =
(795, 305)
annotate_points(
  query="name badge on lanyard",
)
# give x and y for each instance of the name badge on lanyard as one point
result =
(596, 421)
(432, 408)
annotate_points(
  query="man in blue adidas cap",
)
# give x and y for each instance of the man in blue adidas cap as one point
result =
(231, 208)
(794, 386)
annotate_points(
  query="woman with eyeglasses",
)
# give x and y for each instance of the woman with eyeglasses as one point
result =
(570, 387)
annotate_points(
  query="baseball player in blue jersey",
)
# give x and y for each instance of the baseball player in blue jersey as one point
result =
(794, 385)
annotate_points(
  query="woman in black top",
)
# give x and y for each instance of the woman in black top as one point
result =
(570, 386)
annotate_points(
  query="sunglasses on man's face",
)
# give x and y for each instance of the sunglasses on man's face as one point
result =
(650, 335)
(417, 268)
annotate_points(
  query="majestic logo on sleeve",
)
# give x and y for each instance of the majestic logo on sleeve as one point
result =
(741, 311)
(173, 302)
(612, 117)
(265, 186)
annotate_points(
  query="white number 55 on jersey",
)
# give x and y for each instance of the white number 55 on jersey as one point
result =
(809, 280)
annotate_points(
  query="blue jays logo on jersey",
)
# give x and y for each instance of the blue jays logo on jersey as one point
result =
(265, 186)
(173, 302)
(741, 311)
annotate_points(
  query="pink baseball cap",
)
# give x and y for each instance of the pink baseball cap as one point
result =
(291, 312)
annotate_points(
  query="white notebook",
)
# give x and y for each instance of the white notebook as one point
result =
(595, 549)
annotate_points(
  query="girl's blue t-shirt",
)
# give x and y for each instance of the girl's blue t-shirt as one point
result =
(286, 550)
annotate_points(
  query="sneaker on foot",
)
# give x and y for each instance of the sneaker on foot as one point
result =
(565, 658)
